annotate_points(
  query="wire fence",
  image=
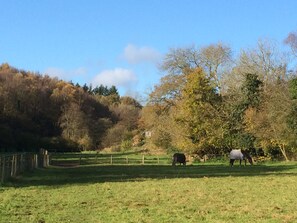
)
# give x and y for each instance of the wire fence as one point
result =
(12, 165)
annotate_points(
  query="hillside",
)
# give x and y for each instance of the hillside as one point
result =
(39, 111)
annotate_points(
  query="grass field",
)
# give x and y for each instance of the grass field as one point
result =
(151, 193)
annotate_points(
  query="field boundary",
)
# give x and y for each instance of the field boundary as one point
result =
(107, 159)
(12, 165)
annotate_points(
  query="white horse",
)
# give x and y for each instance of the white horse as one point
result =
(237, 154)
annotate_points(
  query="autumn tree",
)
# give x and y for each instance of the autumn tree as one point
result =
(125, 114)
(270, 122)
(213, 59)
(234, 108)
(292, 118)
(198, 112)
(165, 99)
(160, 123)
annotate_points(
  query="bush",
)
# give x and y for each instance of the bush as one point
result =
(126, 145)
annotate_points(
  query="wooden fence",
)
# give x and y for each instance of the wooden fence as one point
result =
(75, 159)
(12, 165)
(107, 159)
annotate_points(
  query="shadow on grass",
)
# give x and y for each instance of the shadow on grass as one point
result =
(58, 176)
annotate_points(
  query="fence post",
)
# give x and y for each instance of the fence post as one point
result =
(127, 161)
(32, 157)
(47, 160)
(17, 164)
(111, 159)
(3, 169)
(142, 159)
(21, 163)
(12, 166)
(158, 159)
(11, 169)
(43, 159)
(36, 161)
(15, 172)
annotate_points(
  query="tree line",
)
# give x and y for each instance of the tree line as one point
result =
(37, 111)
(209, 102)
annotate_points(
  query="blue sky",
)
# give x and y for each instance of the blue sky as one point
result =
(121, 42)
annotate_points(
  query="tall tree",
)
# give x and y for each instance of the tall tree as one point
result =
(214, 58)
(126, 115)
(235, 106)
(265, 60)
(269, 123)
(198, 112)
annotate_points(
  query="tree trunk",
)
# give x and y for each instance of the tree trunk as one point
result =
(283, 150)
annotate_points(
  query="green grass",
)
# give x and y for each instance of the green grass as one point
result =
(103, 158)
(149, 193)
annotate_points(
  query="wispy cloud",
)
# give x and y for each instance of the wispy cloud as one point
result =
(65, 74)
(134, 54)
(119, 77)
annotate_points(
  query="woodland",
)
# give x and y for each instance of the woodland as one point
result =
(37, 111)
(208, 101)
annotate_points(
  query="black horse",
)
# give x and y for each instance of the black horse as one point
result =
(178, 158)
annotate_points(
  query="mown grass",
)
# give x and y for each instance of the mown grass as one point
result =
(140, 193)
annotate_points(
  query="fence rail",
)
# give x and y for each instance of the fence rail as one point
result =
(12, 165)
(85, 159)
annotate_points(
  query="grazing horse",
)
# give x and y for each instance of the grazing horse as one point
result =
(178, 158)
(237, 154)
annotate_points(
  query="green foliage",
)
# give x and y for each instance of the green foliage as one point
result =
(235, 134)
(251, 89)
(293, 88)
(162, 139)
(104, 90)
(292, 119)
(126, 145)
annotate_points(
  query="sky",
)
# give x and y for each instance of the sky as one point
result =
(123, 42)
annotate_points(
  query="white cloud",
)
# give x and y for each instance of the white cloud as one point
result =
(65, 74)
(118, 77)
(134, 54)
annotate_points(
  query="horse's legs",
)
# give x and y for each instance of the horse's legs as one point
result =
(231, 162)
(240, 162)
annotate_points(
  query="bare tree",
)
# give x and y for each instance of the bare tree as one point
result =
(214, 58)
(179, 59)
(291, 40)
(265, 60)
